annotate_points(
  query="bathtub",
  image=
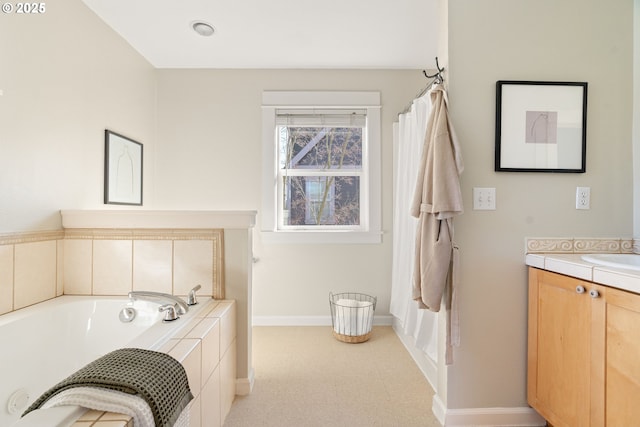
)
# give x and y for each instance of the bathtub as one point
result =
(45, 343)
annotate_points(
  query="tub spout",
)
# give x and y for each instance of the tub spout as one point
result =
(183, 308)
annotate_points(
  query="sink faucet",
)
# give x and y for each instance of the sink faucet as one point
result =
(183, 308)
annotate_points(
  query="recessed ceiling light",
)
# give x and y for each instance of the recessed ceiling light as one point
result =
(202, 28)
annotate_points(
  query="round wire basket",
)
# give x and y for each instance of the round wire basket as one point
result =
(352, 316)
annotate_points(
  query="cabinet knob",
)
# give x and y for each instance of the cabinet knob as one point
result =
(594, 293)
(580, 289)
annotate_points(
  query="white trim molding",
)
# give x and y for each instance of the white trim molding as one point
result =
(486, 417)
(427, 366)
(244, 386)
(157, 219)
(382, 320)
(372, 198)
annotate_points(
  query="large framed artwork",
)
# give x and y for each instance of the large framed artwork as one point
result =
(122, 170)
(541, 126)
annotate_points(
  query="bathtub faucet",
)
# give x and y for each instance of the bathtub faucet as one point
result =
(183, 308)
(191, 298)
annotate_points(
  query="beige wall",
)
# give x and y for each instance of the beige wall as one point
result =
(489, 40)
(65, 77)
(209, 157)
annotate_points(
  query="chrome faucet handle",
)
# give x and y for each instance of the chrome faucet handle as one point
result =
(171, 313)
(191, 298)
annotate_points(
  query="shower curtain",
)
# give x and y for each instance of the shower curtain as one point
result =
(409, 133)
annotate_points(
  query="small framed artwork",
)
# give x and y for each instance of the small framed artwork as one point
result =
(122, 170)
(541, 126)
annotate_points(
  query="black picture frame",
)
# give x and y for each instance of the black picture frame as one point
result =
(541, 126)
(123, 163)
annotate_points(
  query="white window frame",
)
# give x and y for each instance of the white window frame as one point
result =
(370, 231)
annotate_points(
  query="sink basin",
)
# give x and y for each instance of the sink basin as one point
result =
(629, 261)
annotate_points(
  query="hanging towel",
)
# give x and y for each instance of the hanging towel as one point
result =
(155, 377)
(437, 199)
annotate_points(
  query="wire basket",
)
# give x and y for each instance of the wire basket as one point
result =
(352, 316)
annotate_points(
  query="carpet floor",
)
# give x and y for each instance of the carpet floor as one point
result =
(305, 377)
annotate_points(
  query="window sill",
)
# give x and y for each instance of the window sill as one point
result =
(322, 237)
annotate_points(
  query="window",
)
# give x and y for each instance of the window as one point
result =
(319, 202)
(321, 167)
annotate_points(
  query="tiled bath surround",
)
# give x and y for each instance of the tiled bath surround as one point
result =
(30, 268)
(206, 349)
(38, 266)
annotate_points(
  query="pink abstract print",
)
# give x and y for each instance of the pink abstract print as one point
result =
(542, 127)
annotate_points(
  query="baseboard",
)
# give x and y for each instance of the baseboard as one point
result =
(439, 409)
(382, 320)
(244, 386)
(426, 365)
(486, 417)
(468, 417)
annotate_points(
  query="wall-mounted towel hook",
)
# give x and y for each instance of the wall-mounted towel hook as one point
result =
(438, 75)
(437, 79)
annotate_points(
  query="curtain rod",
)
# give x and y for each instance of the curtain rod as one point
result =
(422, 92)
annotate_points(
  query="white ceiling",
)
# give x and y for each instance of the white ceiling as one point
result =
(278, 33)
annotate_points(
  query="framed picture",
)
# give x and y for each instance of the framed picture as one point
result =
(122, 170)
(541, 126)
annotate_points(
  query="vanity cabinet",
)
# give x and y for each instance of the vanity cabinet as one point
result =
(622, 358)
(583, 352)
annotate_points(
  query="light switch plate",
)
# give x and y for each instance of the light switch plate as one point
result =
(484, 199)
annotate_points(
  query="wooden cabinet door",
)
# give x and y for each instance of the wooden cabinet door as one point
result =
(560, 347)
(622, 365)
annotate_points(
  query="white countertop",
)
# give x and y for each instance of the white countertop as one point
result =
(573, 265)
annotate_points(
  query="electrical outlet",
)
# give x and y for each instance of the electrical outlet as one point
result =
(583, 198)
(484, 199)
